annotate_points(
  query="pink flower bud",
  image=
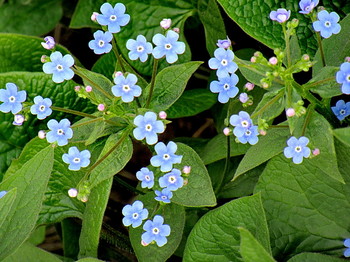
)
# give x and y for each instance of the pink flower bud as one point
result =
(347, 59)
(84, 199)
(144, 243)
(316, 152)
(41, 134)
(306, 57)
(18, 120)
(249, 86)
(226, 131)
(44, 59)
(253, 59)
(186, 170)
(265, 85)
(165, 23)
(273, 60)
(118, 73)
(73, 192)
(94, 16)
(76, 88)
(262, 132)
(49, 42)
(185, 182)
(243, 97)
(290, 112)
(101, 107)
(162, 115)
(88, 89)
(176, 30)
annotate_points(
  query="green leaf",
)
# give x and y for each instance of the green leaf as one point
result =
(23, 53)
(192, 102)
(315, 257)
(251, 249)
(38, 236)
(216, 237)
(35, 17)
(268, 146)
(213, 24)
(199, 191)
(343, 135)
(114, 156)
(30, 253)
(300, 203)
(89, 259)
(169, 85)
(216, 149)
(92, 219)
(324, 82)
(31, 182)
(6, 203)
(174, 216)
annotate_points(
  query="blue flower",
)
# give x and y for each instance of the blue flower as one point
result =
(49, 43)
(146, 176)
(76, 159)
(155, 231)
(223, 62)
(148, 126)
(172, 180)
(347, 244)
(341, 110)
(60, 132)
(139, 48)
(281, 15)
(226, 87)
(41, 108)
(126, 87)
(327, 23)
(226, 43)
(59, 67)
(134, 214)
(100, 44)
(343, 77)
(114, 18)
(297, 149)
(241, 122)
(3, 193)
(163, 196)
(11, 99)
(168, 46)
(307, 6)
(250, 135)
(165, 157)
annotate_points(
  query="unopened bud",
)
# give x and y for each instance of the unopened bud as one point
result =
(94, 16)
(44, 59)
(84, 199)
(316, 152)
(186, 170)
(118, 73)
(101, 107)
(49, 42)
(226, 43)
(18, 120)
(176, 30)
(273, 60)
(42, 134)
(253, 59)
(243, 97)
(144, 243)
(306, 57)
(226, 131)
(165, 23)
(262, 132)
(185, 182)
(290, 112)
(265, 85)
(249, 86)
(76, 88)
(88, 89)
(73, 192)
(162, 115)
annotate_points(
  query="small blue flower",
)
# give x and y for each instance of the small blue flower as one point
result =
(165, 157)
(226, 43)
(250, 135)
(341, 110)
(343, 77)
(76, 159)
(60, 132)
(172, 180)
(307, 6)
(11, 99)
(155, 231)
(163, 196)
(126, 88)
(281, 15)
(146, 176)
(3, 193)
(49, 43)
(223, 62)
(114, 18)
(241, 122)
(168, 46)
(297, 149)
(148, 126)
(139, 48)
(226, 87)
(347, 244)
(41, 108)
(100, 44)
(59, 67)
(327, 23)
(134, 214)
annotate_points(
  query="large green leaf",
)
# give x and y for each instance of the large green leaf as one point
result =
(34, 17)
(216, 237)
(343, 134)
(324, 84)
(31, 182)
(306, 209)
(315, 257)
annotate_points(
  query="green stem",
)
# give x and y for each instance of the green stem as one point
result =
(286, 38)
(116, 52)
(73, 112)
(307, 119)
(319, 41)
(87, 122)
(154, 72)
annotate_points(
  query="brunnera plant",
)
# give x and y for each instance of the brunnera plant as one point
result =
(279, 167)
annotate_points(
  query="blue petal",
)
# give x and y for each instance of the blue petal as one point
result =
(158, 39)
(158, 52)
(171, 57)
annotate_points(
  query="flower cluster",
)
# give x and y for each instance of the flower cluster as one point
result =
(244, 129)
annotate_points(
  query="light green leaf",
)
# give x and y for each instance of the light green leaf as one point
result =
(174, 216)
(315, 257)
(192, 102)
(31, 182)
(6, 203)
(324, 84)
(343, 134)
(38, 236)
(251, 249)
(216, 237)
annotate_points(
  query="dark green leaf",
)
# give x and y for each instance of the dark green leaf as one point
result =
(324, 82)
(343, 134)
(315, 257)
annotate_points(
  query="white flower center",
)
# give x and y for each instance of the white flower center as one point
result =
(148, 127)
(342, 112)
(172, 179)
(226, 86)
(224, 62)
(59, 67)
(347, 78)
(76, 160)
(12, 99)
(42, 108)
(168, 46)
(163, 197)
(126, 88)
(140, 48)
(245, 123)
(248, 133)
(113, 17)
(60, 132)
(135, 215)
(298, 149)
(166, 156)
(147, 177)
(327, 24)
(101, 43)
(155, 231)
